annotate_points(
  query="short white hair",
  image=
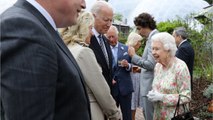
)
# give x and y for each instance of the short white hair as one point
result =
(115, 28)
(167, 40)
(133, 38)
(98, 5)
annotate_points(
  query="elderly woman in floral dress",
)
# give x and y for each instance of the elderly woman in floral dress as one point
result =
(171, 78)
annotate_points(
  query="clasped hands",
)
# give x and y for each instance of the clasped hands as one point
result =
(155, 96)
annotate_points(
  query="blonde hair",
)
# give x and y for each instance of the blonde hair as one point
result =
(80, 31)
(133, 38)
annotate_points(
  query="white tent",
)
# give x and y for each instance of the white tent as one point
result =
(162, 10)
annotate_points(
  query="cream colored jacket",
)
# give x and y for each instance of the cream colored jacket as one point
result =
(101, 101)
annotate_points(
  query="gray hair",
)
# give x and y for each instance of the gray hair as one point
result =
(167, 40)
(181, 31)
(98, 5)
(115, 28)
(133, 38)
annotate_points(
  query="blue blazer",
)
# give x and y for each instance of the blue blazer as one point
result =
(121, 74)
(40, 79)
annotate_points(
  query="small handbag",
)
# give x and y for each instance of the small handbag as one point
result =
(187, 115)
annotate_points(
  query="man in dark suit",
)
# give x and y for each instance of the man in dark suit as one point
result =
(103, 15)
(40, 79)
(185, 51)
(122, 84)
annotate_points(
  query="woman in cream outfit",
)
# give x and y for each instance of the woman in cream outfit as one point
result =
(77, 39)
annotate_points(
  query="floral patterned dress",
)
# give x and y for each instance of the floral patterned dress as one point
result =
(171, 82)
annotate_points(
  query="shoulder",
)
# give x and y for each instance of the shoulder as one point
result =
(79, 51)
(186, 47)
(180, 64)
(122, 45)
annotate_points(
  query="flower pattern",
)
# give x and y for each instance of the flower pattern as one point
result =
(171, 82)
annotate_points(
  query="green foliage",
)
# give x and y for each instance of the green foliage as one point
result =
(122, 38)
(208, 92)
(209, 1)
(169, 26)
(118, 16)
(203, 114)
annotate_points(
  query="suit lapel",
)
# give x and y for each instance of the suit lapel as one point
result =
(98, 52)
(46, 24)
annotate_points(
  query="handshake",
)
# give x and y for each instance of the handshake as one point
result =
(155, 96)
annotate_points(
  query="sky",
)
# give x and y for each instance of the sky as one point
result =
(162, 10)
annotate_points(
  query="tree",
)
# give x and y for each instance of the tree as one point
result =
(209, 1)
(118, 16)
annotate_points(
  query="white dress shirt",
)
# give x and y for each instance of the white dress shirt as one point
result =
(43, 12)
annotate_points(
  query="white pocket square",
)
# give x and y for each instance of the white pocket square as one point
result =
(125, 53)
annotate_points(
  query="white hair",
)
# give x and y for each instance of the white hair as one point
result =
(167, 40)
(115, 28)
(98, 5)
(133, 38)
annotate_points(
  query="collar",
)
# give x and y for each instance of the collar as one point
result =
(43, 12)
(151, 33)
(182, 42)
(95, 33)
(116, 46)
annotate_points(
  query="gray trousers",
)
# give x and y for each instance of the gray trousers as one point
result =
(148, 108)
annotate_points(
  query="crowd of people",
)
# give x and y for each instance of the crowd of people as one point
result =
(60, 62)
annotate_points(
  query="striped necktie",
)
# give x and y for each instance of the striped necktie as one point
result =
(101, 42)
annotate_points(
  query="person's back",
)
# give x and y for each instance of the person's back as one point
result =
(39, 76)
(185, 51)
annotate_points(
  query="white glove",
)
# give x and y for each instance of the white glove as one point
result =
(155, 96)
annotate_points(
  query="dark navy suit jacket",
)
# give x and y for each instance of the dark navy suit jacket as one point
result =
(40, 79)
(185, 52)
(106, 70)
(121, 74)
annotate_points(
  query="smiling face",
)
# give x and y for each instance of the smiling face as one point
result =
(159, 53)
(64, 12)
(112, 36)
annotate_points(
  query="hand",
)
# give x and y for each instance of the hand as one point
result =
(136, 69)
(155, 96)
(113, 82)
(131, 51)
(124, 63)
